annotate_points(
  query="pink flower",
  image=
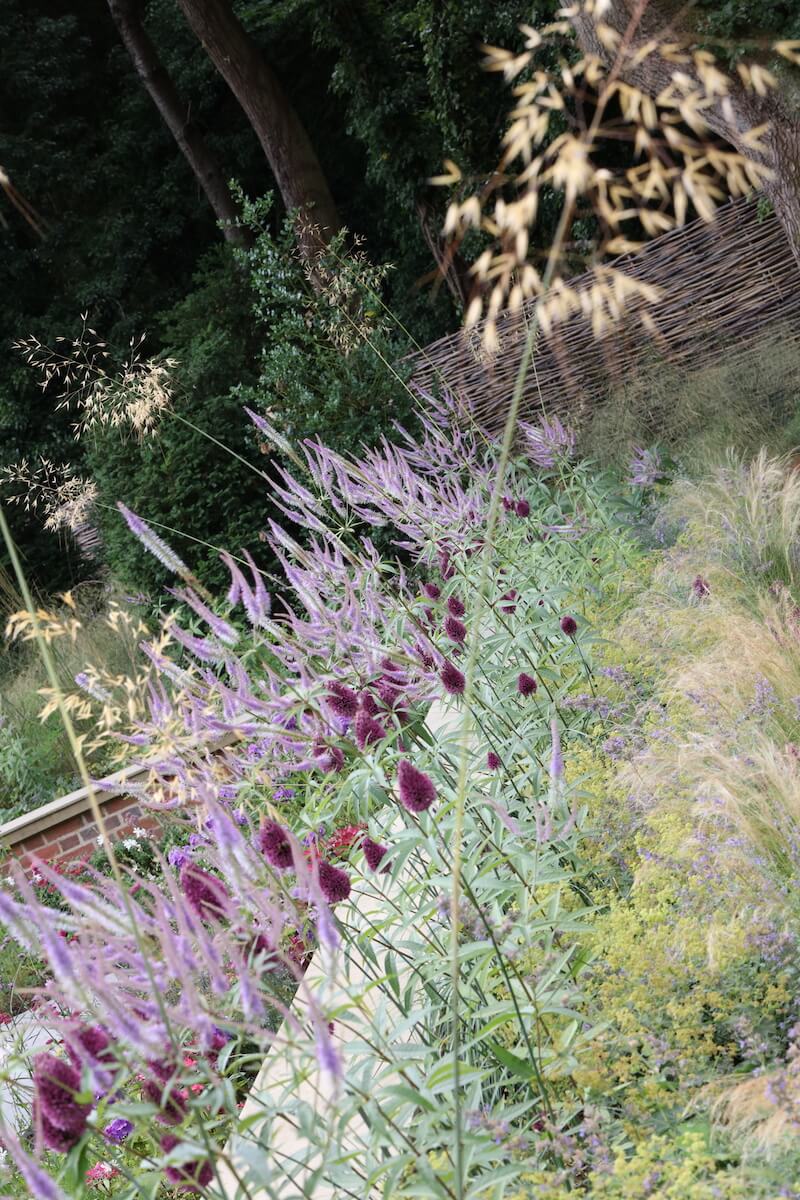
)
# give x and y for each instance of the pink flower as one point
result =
(526, 684)
(415, 789)
(454, 682)
(100, 1172)
(334, 882)
(274, 844)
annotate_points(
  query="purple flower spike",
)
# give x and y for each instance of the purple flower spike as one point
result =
(456, 607)
(432, 590)
(207, 895)
(57, 1083)
(454, 682)
(569, 626)
(493, 761)
(367, 730)
(189, 1176)
(374, 853)
(455, 630)
(415, 789)
(334, 882)
(526, 684)
(274, 844)
(522, 508)
(342, 700)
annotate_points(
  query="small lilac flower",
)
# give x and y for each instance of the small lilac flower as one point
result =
(548, 442)
(274, 844)
(367, 730)
(283, 793)
(526, 684)
(117, 1130)
(227, 792)
(493, 761)
(189, 1176)
(207, 895)
(57, 1084)
(454, 682)
(179, 856)
(415, 789)
(456, 607)
(239, 816)
(342, 699)
(569, 626)
(334, 882)
(522, 508)
(432, 590)
(374, 853)
(701, 588)
(456, 630)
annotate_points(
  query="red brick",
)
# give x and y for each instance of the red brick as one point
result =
(69, 842)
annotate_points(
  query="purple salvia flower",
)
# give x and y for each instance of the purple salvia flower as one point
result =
(152, 542)
(334, 883)
(117, 1130)
(416, 791)
(275, 845)
(456, 630)
(374, 853)
(455, 607)
(367, 730)
(179, 856)
(526, 684)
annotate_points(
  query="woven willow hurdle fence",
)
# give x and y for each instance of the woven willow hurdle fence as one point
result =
(723, 288)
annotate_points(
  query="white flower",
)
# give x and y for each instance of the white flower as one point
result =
(100, 839)
(130, 843)
(139, 832)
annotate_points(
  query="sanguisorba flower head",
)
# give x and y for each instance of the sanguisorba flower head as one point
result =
(367, 730)
(493, 761)
(334, 882)
(274, 844)
(57, 1084)
(456, 630)
(569, 626)
(454, 682)
(416, 791)
(188, 1176)
(374, 854)
(432, 590)
(522, 508)
(342, 700)
(526, 684)
(207, 895)
(456, 606)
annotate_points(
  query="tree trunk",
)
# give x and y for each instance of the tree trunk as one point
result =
(732, 120)
(127, 18)
(286, 144)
